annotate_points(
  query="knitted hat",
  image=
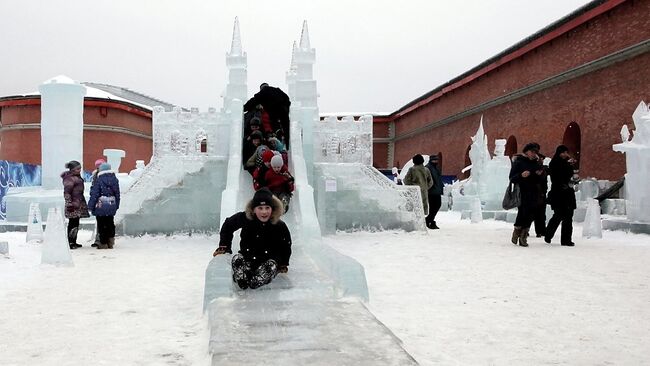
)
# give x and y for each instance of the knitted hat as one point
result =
(263, 197)
(256, 135)
(72, 164)
(255, 122)
(104, 167)
(418, 159)
(276, 161)
(99, 162)
(267, 156)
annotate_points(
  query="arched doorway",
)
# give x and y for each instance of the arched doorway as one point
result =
(572, 140)
(511, 146)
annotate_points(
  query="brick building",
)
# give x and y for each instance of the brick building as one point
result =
(113, 117)
(575, 82)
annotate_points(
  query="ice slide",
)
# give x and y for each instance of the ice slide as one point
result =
(315, 314)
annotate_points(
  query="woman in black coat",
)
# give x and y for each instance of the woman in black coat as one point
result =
(527, 173)
(265, 246)
(562, 196)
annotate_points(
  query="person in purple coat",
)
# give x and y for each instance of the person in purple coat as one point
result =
(75, 202)
(104, 203)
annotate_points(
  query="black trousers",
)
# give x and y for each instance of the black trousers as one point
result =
(246, 276)
(105, 228)
(565, 217)
(540, 220)
(435, 201)
(525, 216)
(73, 229)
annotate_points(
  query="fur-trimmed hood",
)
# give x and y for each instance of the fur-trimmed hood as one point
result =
(276, 213)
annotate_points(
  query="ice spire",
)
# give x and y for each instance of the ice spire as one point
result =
(304, 37)
(293, 56)
(235, 46)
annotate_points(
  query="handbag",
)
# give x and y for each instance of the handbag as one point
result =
(512, 198)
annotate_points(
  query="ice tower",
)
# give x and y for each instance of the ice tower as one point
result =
(236, 62)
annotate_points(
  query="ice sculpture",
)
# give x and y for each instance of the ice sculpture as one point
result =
(343, 140)
(114, 158)
(34, 223)
(477, 215)
(55, 242)
(495, 177)
(236, 61)
(61, 120)
(637, 161)
(139, 169)
(592, 226)
(4, 247)
(480, 156)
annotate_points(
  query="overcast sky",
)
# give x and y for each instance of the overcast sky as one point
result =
(371, 55)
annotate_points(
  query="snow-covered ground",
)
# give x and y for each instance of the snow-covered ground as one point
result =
(462, 295)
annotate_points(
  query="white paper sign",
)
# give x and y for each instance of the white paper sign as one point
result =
(330, 185)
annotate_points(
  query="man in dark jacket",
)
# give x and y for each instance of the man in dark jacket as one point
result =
(276, 103)
(435, 192)
(265, 246)
(526, 173)
(562, 196)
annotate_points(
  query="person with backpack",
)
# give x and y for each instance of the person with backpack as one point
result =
(104, 203)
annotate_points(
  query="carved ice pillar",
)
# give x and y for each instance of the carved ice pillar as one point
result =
(637, 161)
(62, 105)
(306, 95)
(236, 61)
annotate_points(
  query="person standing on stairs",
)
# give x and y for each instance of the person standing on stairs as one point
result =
(265, 246)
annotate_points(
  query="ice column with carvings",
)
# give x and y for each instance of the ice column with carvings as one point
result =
(637, 161)
(62, 103)
(236, 62)
(303, 93)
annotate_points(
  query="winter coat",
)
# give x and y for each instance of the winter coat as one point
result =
(275, 102)
(259, 176)
(437, 179)
(105, 194)
(530, 186)
(248, 150)
(562, 195)
(256, 159)
(420, 176)
(73, 194)
(281, 182)
(260, 241)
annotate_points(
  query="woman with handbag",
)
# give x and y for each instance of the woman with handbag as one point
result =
(104, 203)
(528, 175)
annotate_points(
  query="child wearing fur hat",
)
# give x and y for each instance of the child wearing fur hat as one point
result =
(280, 181)
(104, 203)
(265, 246)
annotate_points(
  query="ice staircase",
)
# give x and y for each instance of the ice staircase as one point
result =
(315, 314)
(180, 189)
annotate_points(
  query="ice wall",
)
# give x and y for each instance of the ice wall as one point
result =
(343, 140)
(637, 162)
(62, 102)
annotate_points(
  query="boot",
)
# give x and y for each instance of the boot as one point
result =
(111, 243)
(515, 235)
(102, 246)
(523, 237)
(433, 226)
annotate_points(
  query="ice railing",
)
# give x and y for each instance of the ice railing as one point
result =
(348, 274)
(406, 199)
(182, 143)
(343, 140)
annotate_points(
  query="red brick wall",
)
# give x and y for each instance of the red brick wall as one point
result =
(25, 145)
(600, 102)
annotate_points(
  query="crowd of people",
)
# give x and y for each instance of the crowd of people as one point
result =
(530, 175)
(264, 150)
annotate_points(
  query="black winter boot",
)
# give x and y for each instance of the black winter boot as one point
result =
(515, 235)
(523, 237)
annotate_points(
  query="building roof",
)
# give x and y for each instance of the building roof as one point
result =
(565, 24)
